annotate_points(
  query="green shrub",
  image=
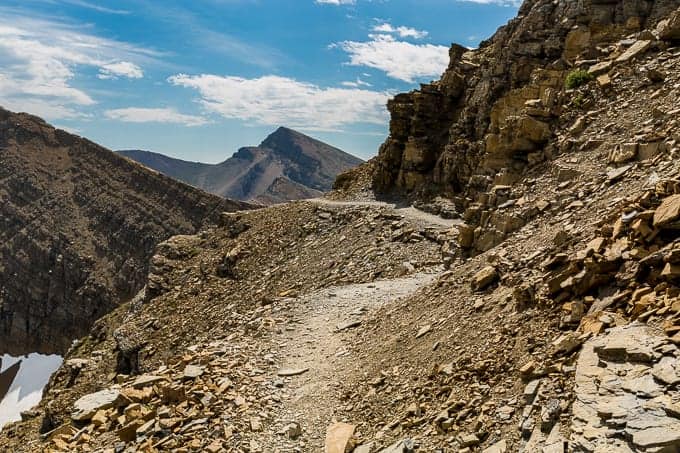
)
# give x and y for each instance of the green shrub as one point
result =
(577, 78)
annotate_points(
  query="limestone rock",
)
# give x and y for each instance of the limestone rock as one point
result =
(614, 384)
(498, 447)
(400, 446)
(339, 438)
(668, 211)
(484, 278)
(638, 48)
(88, 405)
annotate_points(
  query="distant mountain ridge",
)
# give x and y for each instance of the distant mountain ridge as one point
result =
(287, 165)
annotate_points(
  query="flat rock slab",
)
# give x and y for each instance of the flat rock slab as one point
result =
(88, 405)
(625, 384)
(339, 438)
(348, 325)
(147, 380)
(193, 371)
(286, 372)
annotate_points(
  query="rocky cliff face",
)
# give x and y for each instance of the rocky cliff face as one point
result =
(77, 227)
(491, 114)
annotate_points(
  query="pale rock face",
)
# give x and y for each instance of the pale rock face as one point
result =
(88, 405)
(617, 384)
(339, 438)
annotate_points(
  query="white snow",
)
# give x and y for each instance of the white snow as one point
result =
(26, 390)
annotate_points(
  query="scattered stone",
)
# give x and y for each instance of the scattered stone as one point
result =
(88, 405)
(287, 372)
(339, 438)
(193, 371)
(484, 278)
(423, 330)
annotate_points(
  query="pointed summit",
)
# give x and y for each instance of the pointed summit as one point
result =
(287, 165)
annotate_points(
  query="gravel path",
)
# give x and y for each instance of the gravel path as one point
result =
(415, 215)
(314, 345)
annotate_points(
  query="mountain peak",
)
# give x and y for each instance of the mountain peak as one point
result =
(283, 136)
(287, 164)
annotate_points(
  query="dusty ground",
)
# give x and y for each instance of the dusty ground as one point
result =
(318, 342)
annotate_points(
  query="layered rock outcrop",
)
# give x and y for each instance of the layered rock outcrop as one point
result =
(492, 112)
(78, 225)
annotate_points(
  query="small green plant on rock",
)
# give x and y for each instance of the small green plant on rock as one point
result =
(577, 78)
(578, 101)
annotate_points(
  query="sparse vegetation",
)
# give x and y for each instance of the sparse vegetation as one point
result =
(578, 101)
(577, 78)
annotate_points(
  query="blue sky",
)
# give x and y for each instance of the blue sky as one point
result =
(197, 79)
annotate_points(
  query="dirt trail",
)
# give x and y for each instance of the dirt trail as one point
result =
(415, 215)
(315, 342)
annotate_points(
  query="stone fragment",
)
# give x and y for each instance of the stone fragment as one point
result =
(348, 325)
(498, 447)
(617, 173)
(400, 446)
(638, 48)
(624, 153)
(666, 437)
(531, 390)
(88, 405)
(365, 448)
(406, 268)
(566, 343)
(293, 430)
(423, 330)
(339, 438)
(193, 371)
(292, 371)
(669, 29)
(604, 81)
(484, 278)
(147, 380)
(468, 440)
(600, 68)
(667, 212)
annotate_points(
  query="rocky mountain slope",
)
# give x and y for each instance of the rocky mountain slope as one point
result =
(77, 227)
(287, 165)
(534, 308)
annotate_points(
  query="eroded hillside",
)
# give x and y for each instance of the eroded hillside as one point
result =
(535, 308)
(77, 227)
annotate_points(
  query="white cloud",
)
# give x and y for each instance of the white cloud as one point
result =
(275, 100)
(336, 2)
(94, 7)
(155, 115)
(404, 32)
(514, 3)
(398, 59)
(39, 60)
(356, 84)
(120, 69)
